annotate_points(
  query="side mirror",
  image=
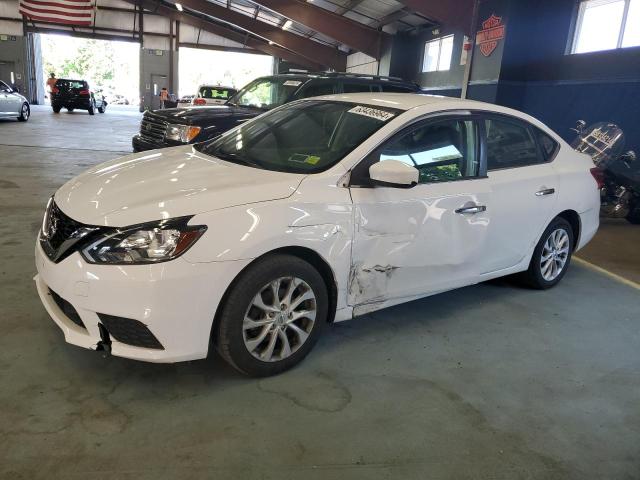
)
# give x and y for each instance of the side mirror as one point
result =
(629, 156)
(393, 173)
(580, 126)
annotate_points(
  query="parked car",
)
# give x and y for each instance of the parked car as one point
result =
(213, 95)
(76, 94)
(119, 100)
(185, 100)
(257, 239)
(168, 128)
(12, 104)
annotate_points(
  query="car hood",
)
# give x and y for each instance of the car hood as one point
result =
(204, 114)
(167, 183)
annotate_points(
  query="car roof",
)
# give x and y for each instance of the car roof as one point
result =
(213, 85)
(377, 79)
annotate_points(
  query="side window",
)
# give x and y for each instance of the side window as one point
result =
(442, 151)
(548, 146)
(396, 89)
(510, 144)
(315, 89)
(352, 87)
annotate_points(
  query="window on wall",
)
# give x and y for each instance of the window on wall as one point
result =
(437, 54)
(606, 25)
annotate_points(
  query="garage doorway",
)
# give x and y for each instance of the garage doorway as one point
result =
(213, 67)
(110, 66)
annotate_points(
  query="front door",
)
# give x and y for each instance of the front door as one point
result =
(425, 239)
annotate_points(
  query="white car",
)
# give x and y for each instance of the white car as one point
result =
(12, 104)
(317, 211)
(212, 95)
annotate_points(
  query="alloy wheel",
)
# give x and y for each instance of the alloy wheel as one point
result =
(279, 319)
(554, 254)
(25, 111)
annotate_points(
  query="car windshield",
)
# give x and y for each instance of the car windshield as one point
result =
(302, 137)
(266, 93)
(218, 93)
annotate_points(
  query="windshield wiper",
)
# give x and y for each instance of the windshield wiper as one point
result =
(233, 157)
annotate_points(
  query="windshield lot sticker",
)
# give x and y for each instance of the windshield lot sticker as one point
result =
(292, 83)
(302, 158)
(372, 113)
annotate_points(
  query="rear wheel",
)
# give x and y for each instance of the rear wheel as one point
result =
(272, 316)
(92, 109)
(551, 256)
(102, 108)
(56, 108)
(25, 112)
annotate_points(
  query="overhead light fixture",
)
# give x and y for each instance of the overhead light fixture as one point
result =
(179, 6)
(270, 42)
(287, 24)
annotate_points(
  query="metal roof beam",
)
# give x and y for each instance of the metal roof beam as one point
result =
(454, 14)
(226, 32)
(354, 34)
(314, 51)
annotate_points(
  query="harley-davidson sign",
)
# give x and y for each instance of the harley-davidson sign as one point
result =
(492, 32)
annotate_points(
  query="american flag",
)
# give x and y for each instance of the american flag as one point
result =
(69, 12)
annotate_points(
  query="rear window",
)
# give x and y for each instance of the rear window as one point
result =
(216, 93)
(69, 84)
(548, 145)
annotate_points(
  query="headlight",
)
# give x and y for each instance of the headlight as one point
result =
(181, 133)
(145, 243)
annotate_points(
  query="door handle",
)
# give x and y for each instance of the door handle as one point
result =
(546, 191)
(472, 210)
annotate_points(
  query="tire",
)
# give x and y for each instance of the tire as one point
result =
(241, 347)
(25, 112)
(102, 108)
(538, 275)
(56, 108)
(92, 109)
(69, 109)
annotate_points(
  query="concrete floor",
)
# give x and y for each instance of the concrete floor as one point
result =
(492, 381)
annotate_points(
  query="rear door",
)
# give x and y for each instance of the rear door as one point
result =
(523, 190)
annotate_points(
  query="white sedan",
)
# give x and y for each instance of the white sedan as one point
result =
(12, 104)
(317, 211)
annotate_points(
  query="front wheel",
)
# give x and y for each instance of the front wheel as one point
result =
(25, 112)
(102, 108)
(273, 316)
(56, 108)
(92, 109)
(551, 256)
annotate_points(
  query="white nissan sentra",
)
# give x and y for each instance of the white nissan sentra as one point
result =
(317, 211)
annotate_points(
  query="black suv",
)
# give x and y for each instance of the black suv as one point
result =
(179, 126)
(72, 94)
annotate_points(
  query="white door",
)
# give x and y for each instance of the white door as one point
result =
(523, 190)
(425, 239)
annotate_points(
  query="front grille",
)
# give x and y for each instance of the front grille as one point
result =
(61, 233)
(131, 332)
(152, 127)
(67, 309)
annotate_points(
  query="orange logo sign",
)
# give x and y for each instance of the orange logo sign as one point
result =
(492, 32)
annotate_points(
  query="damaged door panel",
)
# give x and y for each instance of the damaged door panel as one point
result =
(411, 242)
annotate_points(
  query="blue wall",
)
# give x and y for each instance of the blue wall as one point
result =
(537, 75)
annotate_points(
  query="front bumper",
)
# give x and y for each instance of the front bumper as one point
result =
(175, 300)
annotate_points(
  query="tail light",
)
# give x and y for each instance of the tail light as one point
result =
(84, 92)
(199, 101)
(598, 175)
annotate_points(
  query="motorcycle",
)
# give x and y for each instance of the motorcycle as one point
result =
(620, 171)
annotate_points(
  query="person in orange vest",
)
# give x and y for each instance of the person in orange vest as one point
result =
(51, 83)
(164, 96)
